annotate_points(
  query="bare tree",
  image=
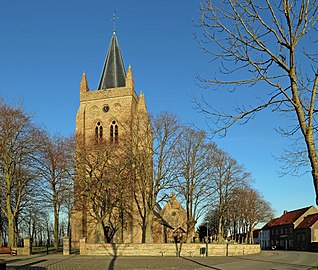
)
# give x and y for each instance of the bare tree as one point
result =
(193, 182)
(102, 183)
(152, 156)
(253, 209)
(32, 222)
(68, 201)
(48, 229)
(159, 175)
(210, 223)
(68, 206)
(270, 47)
(227, 175)
(166, 134)
(19, 147)
(55, 168)
(140, 147)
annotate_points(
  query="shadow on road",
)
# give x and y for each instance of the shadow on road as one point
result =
(20, 259)
(201, 264)
(28, 266)
(277, 263)
(111, 265)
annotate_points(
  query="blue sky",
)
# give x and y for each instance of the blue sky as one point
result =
(46, 45)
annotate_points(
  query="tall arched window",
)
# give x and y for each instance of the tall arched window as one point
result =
(98, 132)
(113, 132)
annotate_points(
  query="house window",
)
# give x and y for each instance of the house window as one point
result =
(113, 132)
(98, 132)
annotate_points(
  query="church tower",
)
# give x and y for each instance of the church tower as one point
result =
(106, 114)
(108, 109)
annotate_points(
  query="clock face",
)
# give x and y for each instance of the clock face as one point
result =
(105, 108)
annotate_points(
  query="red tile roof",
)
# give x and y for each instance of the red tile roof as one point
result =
(308, 221)
(290, 217)
(269, 224)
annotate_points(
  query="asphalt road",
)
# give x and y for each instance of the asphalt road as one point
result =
(269, 260)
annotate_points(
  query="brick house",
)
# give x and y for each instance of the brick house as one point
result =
(265, 234)
(283, 229)
(306, 233)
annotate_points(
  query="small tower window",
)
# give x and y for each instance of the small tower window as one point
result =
(116, 133)
(111, 133)
(113, 130)
(98, 132)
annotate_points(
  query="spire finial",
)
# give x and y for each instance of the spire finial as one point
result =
(114, 19)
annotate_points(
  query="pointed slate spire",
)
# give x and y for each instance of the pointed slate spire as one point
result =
(114, 74)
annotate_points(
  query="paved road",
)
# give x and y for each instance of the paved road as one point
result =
(268, 260)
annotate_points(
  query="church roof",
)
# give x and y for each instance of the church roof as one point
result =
(113, 74)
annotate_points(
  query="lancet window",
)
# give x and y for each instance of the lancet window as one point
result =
(113, 132)
(98, 132)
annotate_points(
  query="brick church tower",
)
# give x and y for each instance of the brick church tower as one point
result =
(109, 115)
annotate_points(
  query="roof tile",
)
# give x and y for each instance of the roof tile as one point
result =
(308, 221)
(290, 217)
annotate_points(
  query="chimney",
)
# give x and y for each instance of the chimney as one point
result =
(285, 211)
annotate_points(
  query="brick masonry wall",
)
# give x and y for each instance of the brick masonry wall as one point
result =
(187, 250)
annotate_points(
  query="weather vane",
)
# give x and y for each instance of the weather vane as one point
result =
(114, 19)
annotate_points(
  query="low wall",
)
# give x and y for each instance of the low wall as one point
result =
(187, 250)
(21, 251)
(26, 249)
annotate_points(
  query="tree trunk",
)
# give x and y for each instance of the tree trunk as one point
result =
(312, 155)
(190, 230)
(69, 234)
(250, 235)
(143, 235)
(234, 231)
(306, 129)
(220, 229)
(11, 223)
(11, 232)
(56, 228)
(307, 132)
(149, 227)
